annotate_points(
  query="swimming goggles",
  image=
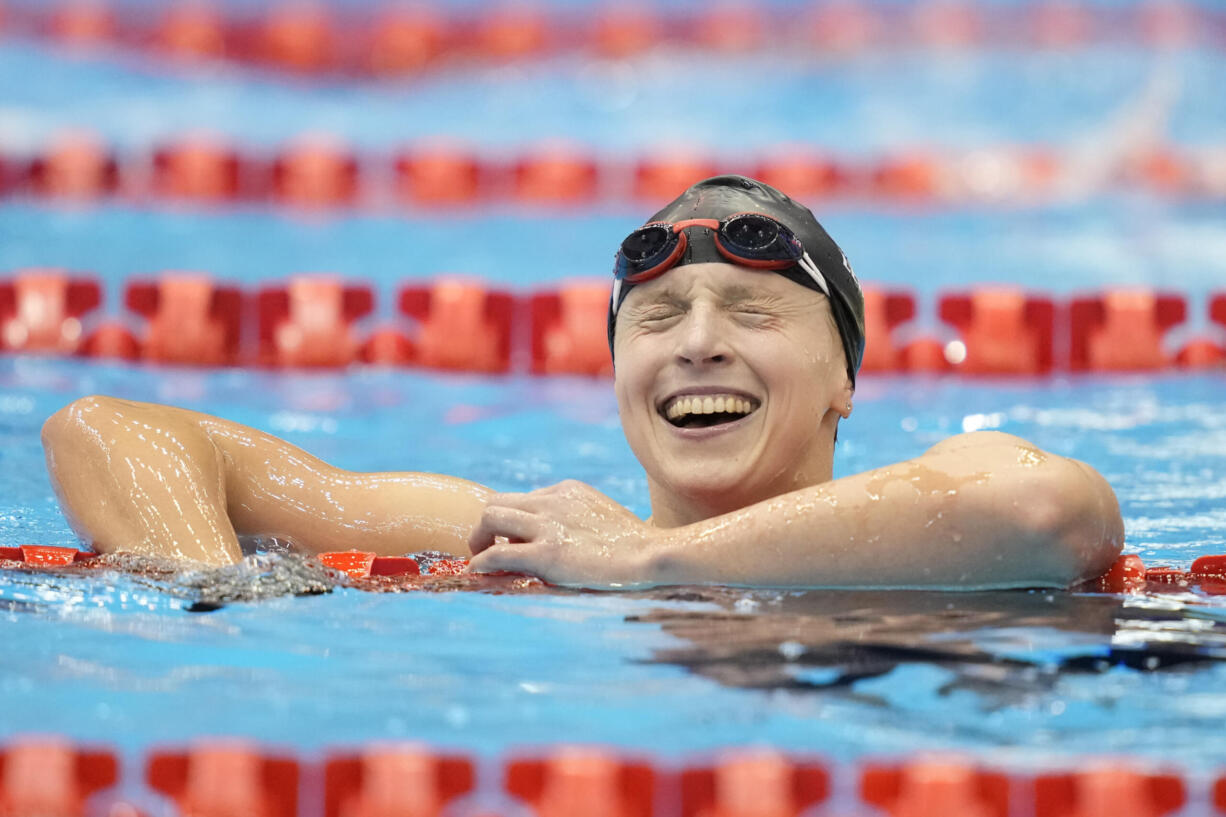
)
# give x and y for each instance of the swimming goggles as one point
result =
(747, 239)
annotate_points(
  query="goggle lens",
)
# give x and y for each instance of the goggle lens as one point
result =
(643, 245)
(752, 233)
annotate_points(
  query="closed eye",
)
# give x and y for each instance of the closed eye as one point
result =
(657, 314)
(752, 314)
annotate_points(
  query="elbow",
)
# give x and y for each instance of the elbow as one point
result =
(65, 429)
(1071, 520)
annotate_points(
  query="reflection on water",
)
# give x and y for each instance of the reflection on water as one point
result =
(484, 660)
(1005, 646)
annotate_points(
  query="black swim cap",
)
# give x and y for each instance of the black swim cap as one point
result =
(723, 196)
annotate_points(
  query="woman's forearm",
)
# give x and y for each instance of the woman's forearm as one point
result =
(1000, 514)
(159, 480)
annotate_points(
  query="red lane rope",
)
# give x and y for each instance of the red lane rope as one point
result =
(320, 173)
(311, 39)
(213, 777)
(1127, 575)
(462, 324)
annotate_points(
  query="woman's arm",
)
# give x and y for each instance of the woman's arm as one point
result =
(977, 510)
(157, 480)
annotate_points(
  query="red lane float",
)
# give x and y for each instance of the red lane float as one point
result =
(1166, 23)
(226, 778)
(510, 32)
(309, 321)
(316, 172)
(50, 776)
(462, 326)
(1122, 330)
(360, 564)
(298, 37)
(1061, 24)
(569, 329)
(884, 311)
(1217, 309)
(45, 555)
(663, 179)
(1207, 352)
(438, 176)
(198, 168)
(190, 319)
(83, 23)
(803, 174)
(76, 165)
(388, 345)
(841, 27)
(583, 780)
(41, 311)
(762, 783)
(1108, 791)
(1004, 331)
(624, 29)
(558, 175)
(928, 356)
(406, 781)
(191, 30)
(936, 788)
(911, 178)
(946, 24)
(729, 27)
(406, 41)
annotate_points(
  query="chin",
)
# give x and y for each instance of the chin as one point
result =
(720, 492)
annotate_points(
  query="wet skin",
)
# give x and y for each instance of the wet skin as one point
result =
(745, 496)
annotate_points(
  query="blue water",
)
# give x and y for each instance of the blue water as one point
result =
(1015, 675)
(1007, 676)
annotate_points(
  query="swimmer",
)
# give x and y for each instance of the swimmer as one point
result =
(736, 327)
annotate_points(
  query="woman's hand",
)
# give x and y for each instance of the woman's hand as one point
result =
(568, 533)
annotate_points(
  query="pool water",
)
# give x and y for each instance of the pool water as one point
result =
(1007, 675)
(1021, 677)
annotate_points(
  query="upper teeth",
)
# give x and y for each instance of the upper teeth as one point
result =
(707, 404)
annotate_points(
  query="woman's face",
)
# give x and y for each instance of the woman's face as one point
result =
(729, 383)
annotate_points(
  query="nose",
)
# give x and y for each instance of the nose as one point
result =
(701, 341)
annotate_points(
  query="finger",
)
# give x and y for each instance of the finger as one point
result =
(498, 520)
(525, 502)
(510, 558)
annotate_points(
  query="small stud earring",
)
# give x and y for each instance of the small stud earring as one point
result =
(849, 408)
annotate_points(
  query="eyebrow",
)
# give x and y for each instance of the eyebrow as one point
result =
(732, 293)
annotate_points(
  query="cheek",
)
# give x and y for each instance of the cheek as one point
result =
(630, 387)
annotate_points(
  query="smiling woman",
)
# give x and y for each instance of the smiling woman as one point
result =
(736, 325)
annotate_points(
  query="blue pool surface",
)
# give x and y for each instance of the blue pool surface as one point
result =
(1028, 677)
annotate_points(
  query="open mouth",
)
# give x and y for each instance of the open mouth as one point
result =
(706, 410)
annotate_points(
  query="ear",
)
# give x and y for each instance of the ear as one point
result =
(842, 402)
